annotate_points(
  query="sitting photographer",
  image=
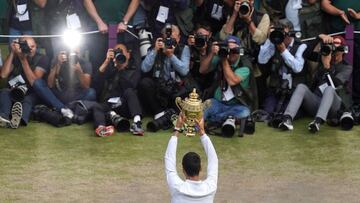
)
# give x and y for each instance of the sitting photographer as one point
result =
(167, 65)
(121, 75)
(200, 45)
(233, 98)
(321, 100)
(70, 77)
(23, 68)
(283, 62)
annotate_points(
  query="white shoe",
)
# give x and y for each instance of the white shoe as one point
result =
(16, 114)
(68, 113)
(4, 122)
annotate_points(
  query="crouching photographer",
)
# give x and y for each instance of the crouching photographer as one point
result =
(321, 100)
(166, 66)
(23, 68)
(234, 97)
(120, 75)
(282, 66)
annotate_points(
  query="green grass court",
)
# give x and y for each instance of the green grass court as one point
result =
(40, 163)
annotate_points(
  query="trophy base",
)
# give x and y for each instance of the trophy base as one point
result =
(190, 132)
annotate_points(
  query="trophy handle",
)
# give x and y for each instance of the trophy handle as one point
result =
(178, 103)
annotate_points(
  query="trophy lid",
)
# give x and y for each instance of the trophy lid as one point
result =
(193, 96)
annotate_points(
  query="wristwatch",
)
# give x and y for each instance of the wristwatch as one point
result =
(176, 129)
(125, 22)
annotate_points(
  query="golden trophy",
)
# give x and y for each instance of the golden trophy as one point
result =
(193, 108)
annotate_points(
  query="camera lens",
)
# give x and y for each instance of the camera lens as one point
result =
(244, 8)
(326, 49)
(200, 41)
(277, 36)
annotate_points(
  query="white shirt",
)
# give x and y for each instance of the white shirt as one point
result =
(292, 13)
(191, 191)
(296, 63)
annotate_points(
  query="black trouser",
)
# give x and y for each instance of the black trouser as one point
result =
(356, 71)
(148, 96)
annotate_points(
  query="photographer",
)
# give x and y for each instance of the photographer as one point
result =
(283, 61)
(321, 100)
(23, 68)
(233, 98)
(121, 75)
(200, 45)
(168, 64)
(70, 77)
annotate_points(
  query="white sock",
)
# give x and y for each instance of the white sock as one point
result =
(137, 118)
(159, 115)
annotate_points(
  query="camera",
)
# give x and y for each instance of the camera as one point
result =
(73, 58)
(18, 92)
(25, 49)
(277, 36)
(346, 121)
(228, 127)
(249, 125)
(44, 114)
(119, 56)
(327, 49)
(200, 41)
(245, 8)
(145, 38)
(224, 50)
(164, 122)
(121, 124)
(169, 41)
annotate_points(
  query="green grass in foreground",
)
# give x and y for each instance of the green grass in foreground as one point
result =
(40, 156)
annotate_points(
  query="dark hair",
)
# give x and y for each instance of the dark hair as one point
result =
(191, 163)
(204, 25)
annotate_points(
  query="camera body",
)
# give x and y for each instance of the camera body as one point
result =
(224, 50)
(327, 49)
(119, 56)
(164, 122)
(25, 49)
(121, 124)
(278, 35)
(245, 8)
(18, 92)
(169, 41)
(200, 41)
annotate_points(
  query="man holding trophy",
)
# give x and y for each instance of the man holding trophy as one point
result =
(192, 189)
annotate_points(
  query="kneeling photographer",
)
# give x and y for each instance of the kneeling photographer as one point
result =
(322, 99)
(23, 68)
(282, 66)
(167, 65)
(121, 74)
(234, 96)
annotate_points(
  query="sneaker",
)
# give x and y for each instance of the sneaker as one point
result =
(136, 129)
(4, 122)
(16, 114)
(286, 124)
(68, 113)
(104, 131)
(314, 126)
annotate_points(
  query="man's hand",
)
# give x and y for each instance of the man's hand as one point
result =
(281, 47)
(191, 40)
(102, 27)
(159, 44)
(180, 120)
(77, 67)
(236, 7)
(15, 48)
(215, 48)
(110, 55)
(200, 125)
(344, 17)
(326, 39)
(121, 27)
(169, 52)
(61, 58)
(354, 14)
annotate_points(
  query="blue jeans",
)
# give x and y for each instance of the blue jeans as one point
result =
(68, 96)
(30, 100)
(219, 112)
(47, 96)
(13, 31)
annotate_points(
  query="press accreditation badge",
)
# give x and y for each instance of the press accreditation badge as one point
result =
(163, 14)
(73, 21)
(228, 94)
(323, 87)
(217, 12)
(22, 13)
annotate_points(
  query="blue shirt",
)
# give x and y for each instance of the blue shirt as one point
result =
(171, 64)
